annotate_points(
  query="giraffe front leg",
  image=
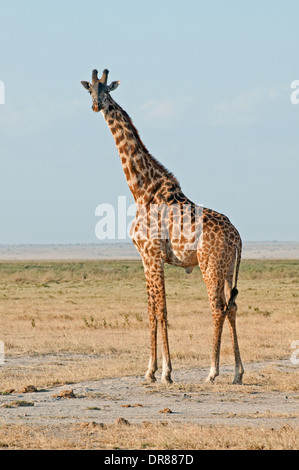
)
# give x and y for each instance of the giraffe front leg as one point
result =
(166, 365)
(218, 317)
(161, 312)
(152, 365)
(154, 272)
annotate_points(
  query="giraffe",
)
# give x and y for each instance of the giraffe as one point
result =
(213, 243)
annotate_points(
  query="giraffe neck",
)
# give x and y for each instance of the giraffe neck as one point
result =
(143, 172)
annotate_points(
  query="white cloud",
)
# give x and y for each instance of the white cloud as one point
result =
(248, 107)
(165, 112)
(33, 115)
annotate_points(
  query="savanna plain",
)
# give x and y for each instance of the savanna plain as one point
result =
(68, 323)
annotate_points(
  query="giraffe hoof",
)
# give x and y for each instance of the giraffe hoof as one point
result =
(150, 378)
(166, 380)
(211, 378)
(238, 381)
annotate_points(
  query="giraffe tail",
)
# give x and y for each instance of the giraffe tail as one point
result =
(235, 291)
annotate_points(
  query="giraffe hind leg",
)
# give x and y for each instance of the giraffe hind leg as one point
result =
(231, 315)
(222, 298)
(217, 303)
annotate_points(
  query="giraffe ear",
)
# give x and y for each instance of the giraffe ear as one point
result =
(86, 85)
(113, 86)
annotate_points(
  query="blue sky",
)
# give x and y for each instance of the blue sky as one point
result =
(207, 85)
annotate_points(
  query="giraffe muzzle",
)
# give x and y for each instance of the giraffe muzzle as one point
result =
(96, 108)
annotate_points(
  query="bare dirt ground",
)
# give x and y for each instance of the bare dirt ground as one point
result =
(188, 400)
(78, 332)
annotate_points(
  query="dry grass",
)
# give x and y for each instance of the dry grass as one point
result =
(65, 322)
(91, 435)
(80, 318)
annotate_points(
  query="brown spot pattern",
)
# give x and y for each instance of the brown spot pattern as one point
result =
(217, 250)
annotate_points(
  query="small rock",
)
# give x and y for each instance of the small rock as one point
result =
(16, 404)
(136, 405)
(166, 410)
(28, 389)
(65, 394)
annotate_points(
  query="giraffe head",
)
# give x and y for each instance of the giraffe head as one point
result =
(99, 89)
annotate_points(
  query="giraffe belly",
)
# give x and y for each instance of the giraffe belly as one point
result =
(179, 254)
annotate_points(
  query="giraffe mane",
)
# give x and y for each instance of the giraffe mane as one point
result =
(156, 163)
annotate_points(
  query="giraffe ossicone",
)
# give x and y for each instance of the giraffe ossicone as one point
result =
(211, 242)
